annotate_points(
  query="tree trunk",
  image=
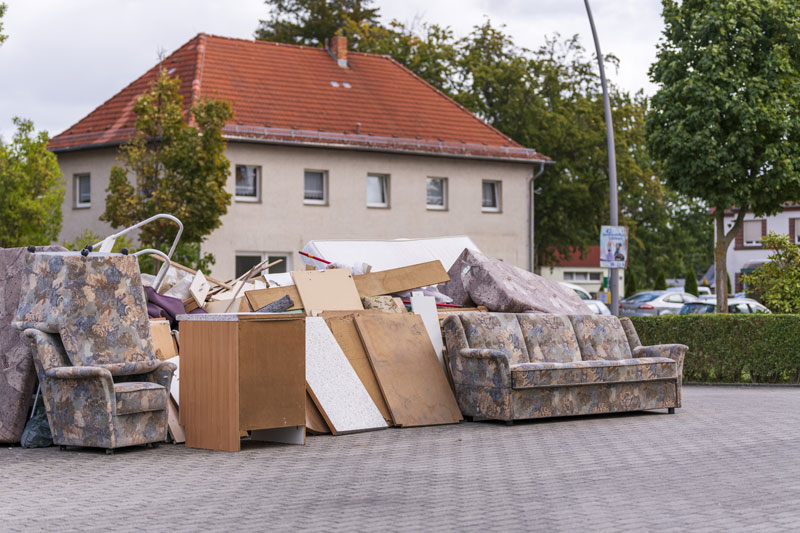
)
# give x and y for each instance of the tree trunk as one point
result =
(723, 240)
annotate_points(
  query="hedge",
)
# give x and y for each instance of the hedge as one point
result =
(730, 348)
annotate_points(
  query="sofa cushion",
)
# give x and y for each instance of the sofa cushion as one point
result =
(497, 331)
(530, 375)
(139, 396)
(549, 338)
(600, 337)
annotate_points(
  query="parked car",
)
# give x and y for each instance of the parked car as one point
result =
(735, 305)
(598, 307)
(580, 291)
(654, 303)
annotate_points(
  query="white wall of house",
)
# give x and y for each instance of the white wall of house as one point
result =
(741, 252)
(279, 221)
(588, 278)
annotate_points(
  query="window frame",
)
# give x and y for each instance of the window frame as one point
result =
(435, 207)
(385, 179)
(248, 199)
(311, 201)
(76, 181)
(498, 196)
(757, 243)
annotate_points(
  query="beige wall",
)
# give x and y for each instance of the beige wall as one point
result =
(281, 222)
(591, 286)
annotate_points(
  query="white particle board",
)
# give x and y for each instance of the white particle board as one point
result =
(174, 387)
(425, 306)
(334, 385)
(287, 435)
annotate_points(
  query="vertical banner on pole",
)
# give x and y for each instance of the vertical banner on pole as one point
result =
(614, 246)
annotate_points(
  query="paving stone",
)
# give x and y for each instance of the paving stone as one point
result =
(729, 460)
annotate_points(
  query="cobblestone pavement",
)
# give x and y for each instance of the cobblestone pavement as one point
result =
(729, 460)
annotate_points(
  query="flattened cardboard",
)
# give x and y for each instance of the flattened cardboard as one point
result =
(342, 325)
(409, 373)
(401, 279)
(327, 290)
(333, 384)
(163, 341)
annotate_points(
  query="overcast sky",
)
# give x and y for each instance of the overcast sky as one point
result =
(64, 58)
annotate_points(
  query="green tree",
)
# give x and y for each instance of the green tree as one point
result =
(661, 282)
(728, 283)
(3, 8)
(630, 284)
(777, 282)
(310, 22)
(177, 168)
(31, 189)
(88, 237)
(725, 121)
(690, 284)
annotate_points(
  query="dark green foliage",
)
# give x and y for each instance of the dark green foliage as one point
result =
(661, 281)
(777, 282)
(730, 348)
(630, 283)
(31, 189)
(3, 8)
(310, 22)
(690, 285)
(728, 277)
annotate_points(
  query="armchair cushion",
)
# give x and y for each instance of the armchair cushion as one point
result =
(549, 338)
(496, 331)
(139, 397)
(600, 337)
(531, 375)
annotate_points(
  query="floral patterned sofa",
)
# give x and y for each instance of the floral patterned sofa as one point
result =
(509, 366)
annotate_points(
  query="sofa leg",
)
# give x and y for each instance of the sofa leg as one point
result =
(671, 410)
(109, 451)
(509, 422)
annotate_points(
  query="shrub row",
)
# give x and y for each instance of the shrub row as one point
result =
(730, 348)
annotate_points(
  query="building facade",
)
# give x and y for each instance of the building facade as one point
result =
(353, 148)
(584, 272)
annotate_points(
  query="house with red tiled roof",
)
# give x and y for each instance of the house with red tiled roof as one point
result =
(581, 270)
(323, 144)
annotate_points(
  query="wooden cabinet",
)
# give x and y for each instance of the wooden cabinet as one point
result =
(240, 372)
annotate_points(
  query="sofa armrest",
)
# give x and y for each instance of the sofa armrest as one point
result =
(671, 351)
(479, 366)
(161, 375)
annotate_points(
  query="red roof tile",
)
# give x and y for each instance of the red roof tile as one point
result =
(592, 259)
(299, 95)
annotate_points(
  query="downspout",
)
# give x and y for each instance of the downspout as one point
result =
(530, 214)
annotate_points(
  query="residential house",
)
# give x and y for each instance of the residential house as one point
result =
(585, 271)
(324, 144)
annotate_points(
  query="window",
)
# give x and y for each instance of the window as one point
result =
(491, 196)
(83, 190)
(247, 260)
(315, 190)
(436, 193)
(752, 232)
(248, 183)
(581, 276)
(568, 276)
(377, 190)
(594, 276)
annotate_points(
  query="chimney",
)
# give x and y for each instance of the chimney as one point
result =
(337, 47)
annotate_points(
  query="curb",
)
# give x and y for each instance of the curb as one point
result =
(708, 384)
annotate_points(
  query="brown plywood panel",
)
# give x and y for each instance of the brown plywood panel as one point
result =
(209, 382)
(272, 382)
(409, 373)
(173, 423)
(163, 342)
(314, 420)
(401, 279)
(258, 298)
(343, 327)
(327, 290)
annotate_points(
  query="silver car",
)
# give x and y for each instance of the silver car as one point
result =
(655, 303)
(735, 305)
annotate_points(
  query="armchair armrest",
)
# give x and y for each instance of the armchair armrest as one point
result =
(672, 351)
(78, 372)
(161, 375)
(480, 366)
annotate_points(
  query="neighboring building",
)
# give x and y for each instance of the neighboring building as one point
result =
(745, 253)
(324, 144)
(584, 271)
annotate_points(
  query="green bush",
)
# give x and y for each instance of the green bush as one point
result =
(690, 285)
(661, 281)
(730, 348)
(630, 283)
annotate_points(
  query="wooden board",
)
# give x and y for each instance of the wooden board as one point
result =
(173, 423)
(334, 386)
(260, 297)
(409, 373)
(342, 325)
(315, 423)
(163, 342)
(199, 288)
(401, 279)
(327, 290)
(272, 373)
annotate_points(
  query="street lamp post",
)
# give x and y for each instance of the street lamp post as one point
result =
(613, 276)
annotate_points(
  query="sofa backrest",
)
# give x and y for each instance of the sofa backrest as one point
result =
(497, 331)
(600, 337)
(549, 338)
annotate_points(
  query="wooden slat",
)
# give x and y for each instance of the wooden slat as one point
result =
(401, 279)
(258, 298)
